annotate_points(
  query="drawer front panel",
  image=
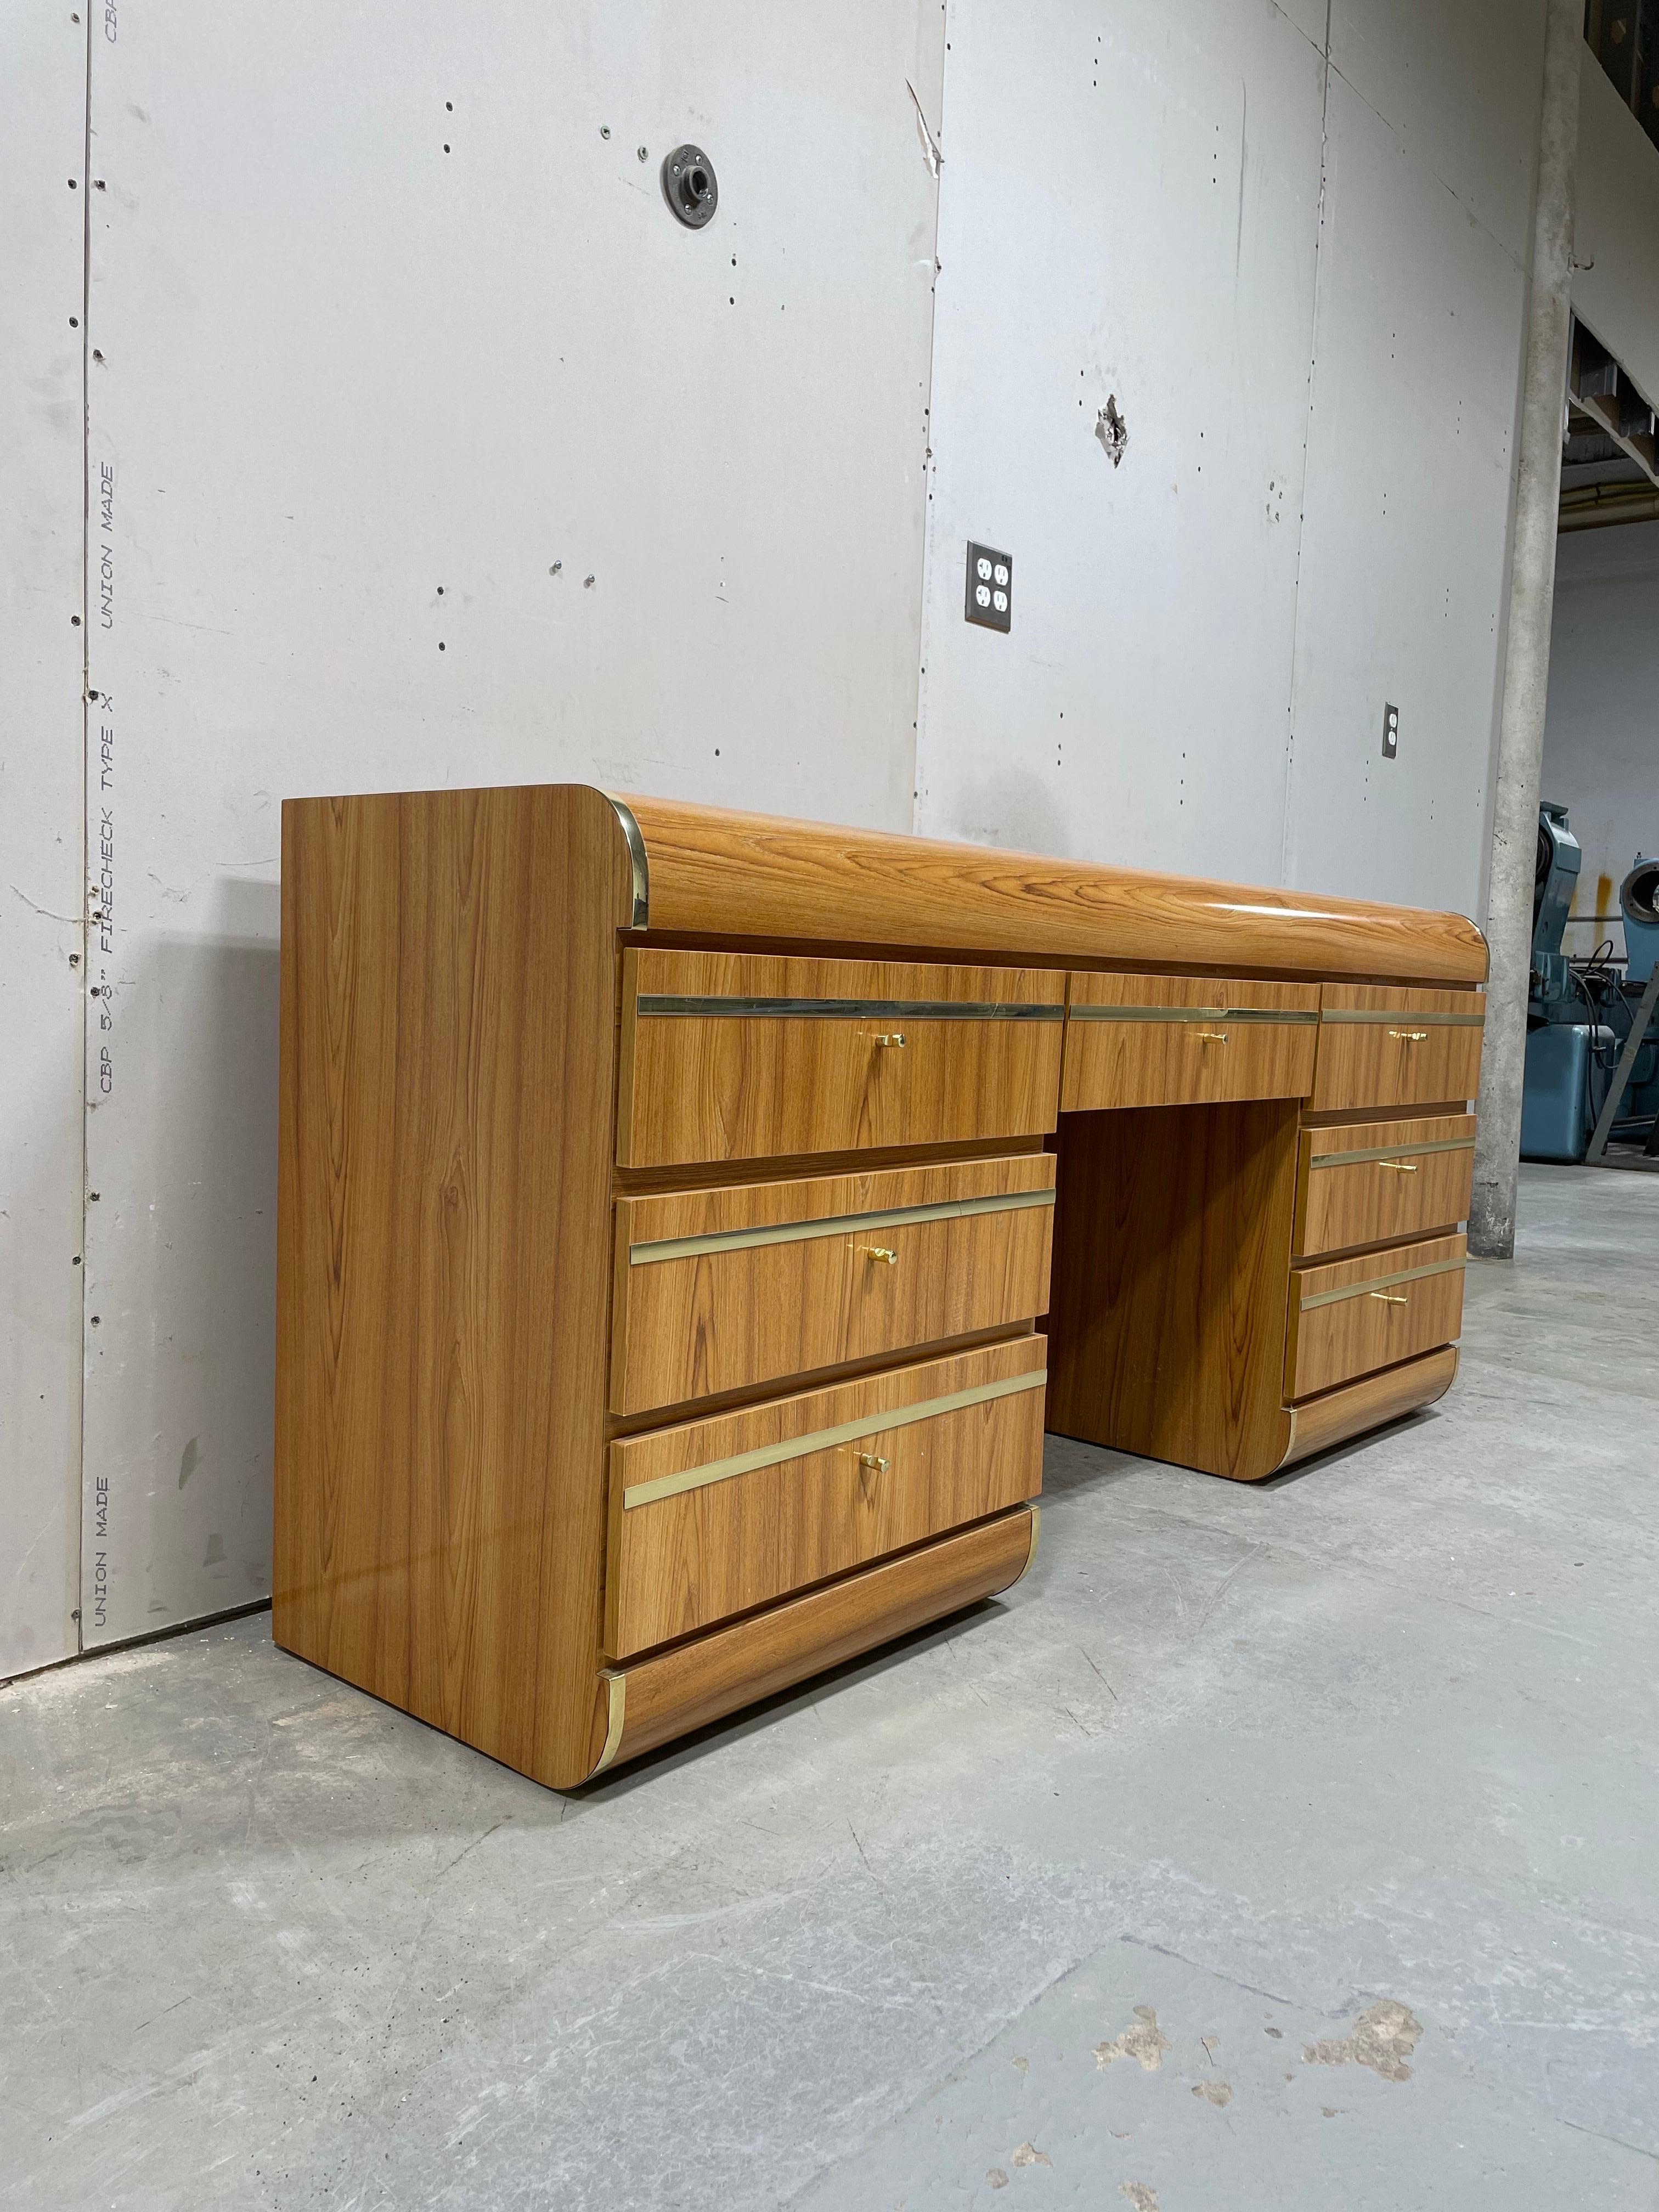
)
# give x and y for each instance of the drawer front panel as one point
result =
(1377, 1182)
(720, 1289)
(1352, 1316)
(1185, 1040)
(712, 1517)
(1379, 1045)
(731, 1056)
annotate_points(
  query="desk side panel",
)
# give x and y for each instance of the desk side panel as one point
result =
(713, 872)
(447, 1081)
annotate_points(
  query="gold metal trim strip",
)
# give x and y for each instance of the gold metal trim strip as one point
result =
(1381, 1283)
(830, 1225)
(1392, 1152)
(1403, 1014)
(845, 1010)
(641, 866)
(845, 1432)
(1236, 1014)
(613, 1732)
(1031, 1557)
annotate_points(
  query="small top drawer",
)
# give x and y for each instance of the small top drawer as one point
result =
(741, 1055)
(1382, 1046)
(1374, 1183)
(1185, 1040)
(719, 1290)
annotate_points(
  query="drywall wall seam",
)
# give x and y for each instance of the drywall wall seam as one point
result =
(86, 739)
(1302, 503)
(936, 164)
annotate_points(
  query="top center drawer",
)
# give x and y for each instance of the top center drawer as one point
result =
(1187, 1040)
(745, 1055)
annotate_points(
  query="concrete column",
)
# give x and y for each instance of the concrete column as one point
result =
(1527, 660)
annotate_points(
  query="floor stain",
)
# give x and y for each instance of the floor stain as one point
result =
(1143, 2198)
(1215, 2092)
(1029, 2154)
(1146, 2041)
(996, 2178)
(1384, 2037)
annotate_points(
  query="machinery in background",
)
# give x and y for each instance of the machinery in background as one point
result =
(1589, 1024)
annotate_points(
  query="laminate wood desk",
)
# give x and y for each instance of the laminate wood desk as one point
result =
(668, 1200)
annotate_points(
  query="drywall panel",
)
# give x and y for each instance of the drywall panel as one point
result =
(1455, 83)
(1602, 734)
(43, 57)
(431, 449)
(1129, 211)
(1405, 545)
(1615, 278)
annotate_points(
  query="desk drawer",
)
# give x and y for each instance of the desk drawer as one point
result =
(712, 1517)
(1375, 1183)
(719, 1290)
(737, 1055)
(1186, 1041)
(1381, 1046)
(1352, 1316)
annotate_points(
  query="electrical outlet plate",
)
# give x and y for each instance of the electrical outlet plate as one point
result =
(990, 599)
(1390, 731)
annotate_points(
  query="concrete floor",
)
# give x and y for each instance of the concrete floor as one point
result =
(1292, 1847)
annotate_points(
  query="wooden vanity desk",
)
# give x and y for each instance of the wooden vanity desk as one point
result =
(688, 1222)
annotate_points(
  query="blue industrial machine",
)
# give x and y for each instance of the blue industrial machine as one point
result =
(1581, 1013)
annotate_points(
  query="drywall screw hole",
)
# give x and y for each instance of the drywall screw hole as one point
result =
(71, 183)
(75, 322)
(605, 130)
(441, 645)
(96, 1319)
(446, 150)
(441, 591)
(587, 583)
(644, 153)
(74, 960)
(449, 107)
(75, 622)
(555, 570)
(97, 355)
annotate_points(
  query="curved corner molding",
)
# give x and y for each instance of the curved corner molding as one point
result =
(630, 829)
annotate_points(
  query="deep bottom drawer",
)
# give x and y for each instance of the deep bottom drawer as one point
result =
(1352, 1316)
(710, 1518)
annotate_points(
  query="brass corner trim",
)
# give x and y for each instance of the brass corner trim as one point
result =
(1030, 1556)
(630, 829)
(617, 1686)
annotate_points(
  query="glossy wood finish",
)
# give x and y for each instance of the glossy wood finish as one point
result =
(1167, 1325)
(1175, 1041)
(1386, 1048)
(680, 1562)
(735, 1086)
(488, 1482)
(656, 1699)
(443, 1239)
(725, 1315)
(1322, 1423)
(716, 873)
(1374, 1183)
(1349, 1317)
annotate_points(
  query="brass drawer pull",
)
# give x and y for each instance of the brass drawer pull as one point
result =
(1410, 1037)
(1211, 1037)
(1399, 1167)
(880, 1252)
(1387, 1299)
(873, 1460)
(890, 1036)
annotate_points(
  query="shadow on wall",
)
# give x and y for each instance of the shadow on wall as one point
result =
(1014, 811)
(187, 1401)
